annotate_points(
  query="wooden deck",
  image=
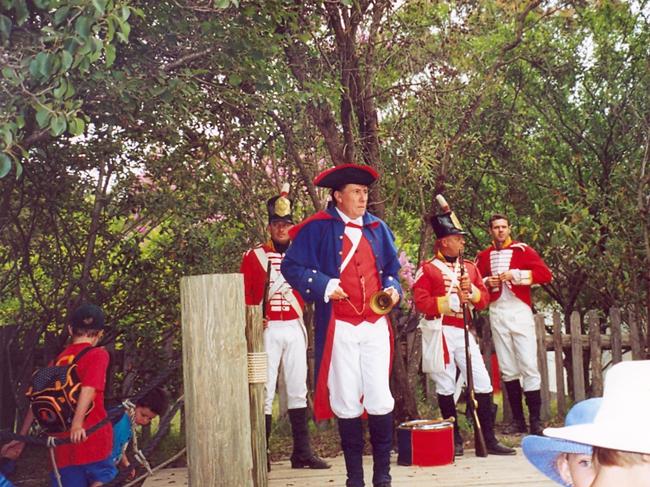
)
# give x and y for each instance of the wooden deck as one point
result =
(467, 471)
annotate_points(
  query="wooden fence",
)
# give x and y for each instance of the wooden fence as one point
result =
(578, 356)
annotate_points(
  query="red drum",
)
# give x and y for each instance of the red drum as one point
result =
(425, 442)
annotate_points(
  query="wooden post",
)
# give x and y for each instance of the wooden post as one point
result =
(595, 354)
(615, 329)
(635, 337)
(257, 378)
(576, 358)
(542, 363)
(559, 364)
(216, 381)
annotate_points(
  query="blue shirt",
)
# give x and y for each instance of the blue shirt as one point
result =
(4, 482)
(121, 436)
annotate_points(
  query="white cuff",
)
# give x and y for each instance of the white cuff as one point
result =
(454, 303)
(331, 286)
(522, 277)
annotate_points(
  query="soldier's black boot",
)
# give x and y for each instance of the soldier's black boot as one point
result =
(534, 403)
(381, 438)
(448, 410)
(518, 424)
(351, 433)
(485, 413)
(302, 456)
(268, 421)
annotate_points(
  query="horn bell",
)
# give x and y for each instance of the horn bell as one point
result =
(381, 303)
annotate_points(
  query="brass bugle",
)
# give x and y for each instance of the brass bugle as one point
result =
(381, 303)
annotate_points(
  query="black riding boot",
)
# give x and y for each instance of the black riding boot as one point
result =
(485, 412)
(518, 424)
(381, 438)
(351, 433)
(448, 410)
(302, 456)
(534, 402)
(268, 422)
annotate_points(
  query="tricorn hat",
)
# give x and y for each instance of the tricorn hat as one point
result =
(280, 207)
(446, 224)
(338, 176)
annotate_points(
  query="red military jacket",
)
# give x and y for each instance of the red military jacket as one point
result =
(431, 291)
(514, 255)
(283, 303)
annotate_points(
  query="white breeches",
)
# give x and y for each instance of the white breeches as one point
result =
(359, 369)
(285, 341)
(513, 332)
(446, 379)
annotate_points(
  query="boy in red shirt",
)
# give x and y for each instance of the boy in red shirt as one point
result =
(85, 462)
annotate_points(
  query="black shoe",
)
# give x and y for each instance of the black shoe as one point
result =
(383, 484)
(515, 428)
(313, 462)
(499, 449)
(458, 450)
(536, 428)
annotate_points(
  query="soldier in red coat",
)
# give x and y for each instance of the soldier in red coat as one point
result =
(439, 292)
(285, 337)
(510, 269)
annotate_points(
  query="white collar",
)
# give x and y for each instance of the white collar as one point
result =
(347, 219)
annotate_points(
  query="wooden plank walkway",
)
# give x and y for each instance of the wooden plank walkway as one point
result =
(467, 471)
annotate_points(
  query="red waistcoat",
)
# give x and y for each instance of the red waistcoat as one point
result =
(360, 280)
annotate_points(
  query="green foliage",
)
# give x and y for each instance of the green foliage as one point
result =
(147, 136)
(48, 48)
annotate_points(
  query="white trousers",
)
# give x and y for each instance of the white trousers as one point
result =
(513, 332)
(285, 342)
(446, 379)
(359, 369)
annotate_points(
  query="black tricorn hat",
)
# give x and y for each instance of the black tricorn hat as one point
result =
(446, 224)
(279, 207)
(338, 176)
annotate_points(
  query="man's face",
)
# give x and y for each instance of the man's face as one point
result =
(453, 245)
(500, 230)
(143, 415)
(279, 230)
(352, 200)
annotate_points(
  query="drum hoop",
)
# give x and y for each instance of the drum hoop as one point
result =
(426, 424)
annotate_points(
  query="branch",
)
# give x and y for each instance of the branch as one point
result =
(186, 59)
(473, 107)
(287, 132)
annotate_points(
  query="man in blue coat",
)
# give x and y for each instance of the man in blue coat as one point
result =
(339, 258)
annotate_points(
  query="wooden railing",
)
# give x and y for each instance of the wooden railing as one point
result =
(577, 355)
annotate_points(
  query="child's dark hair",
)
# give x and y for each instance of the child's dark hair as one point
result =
(85, 332)
(156, 400)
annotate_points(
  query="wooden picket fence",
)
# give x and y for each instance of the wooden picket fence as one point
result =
(578, 356)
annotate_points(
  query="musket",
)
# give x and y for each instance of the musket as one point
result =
(479, 440)
(267, 285)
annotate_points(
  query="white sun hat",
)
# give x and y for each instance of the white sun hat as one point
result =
(623, 420)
